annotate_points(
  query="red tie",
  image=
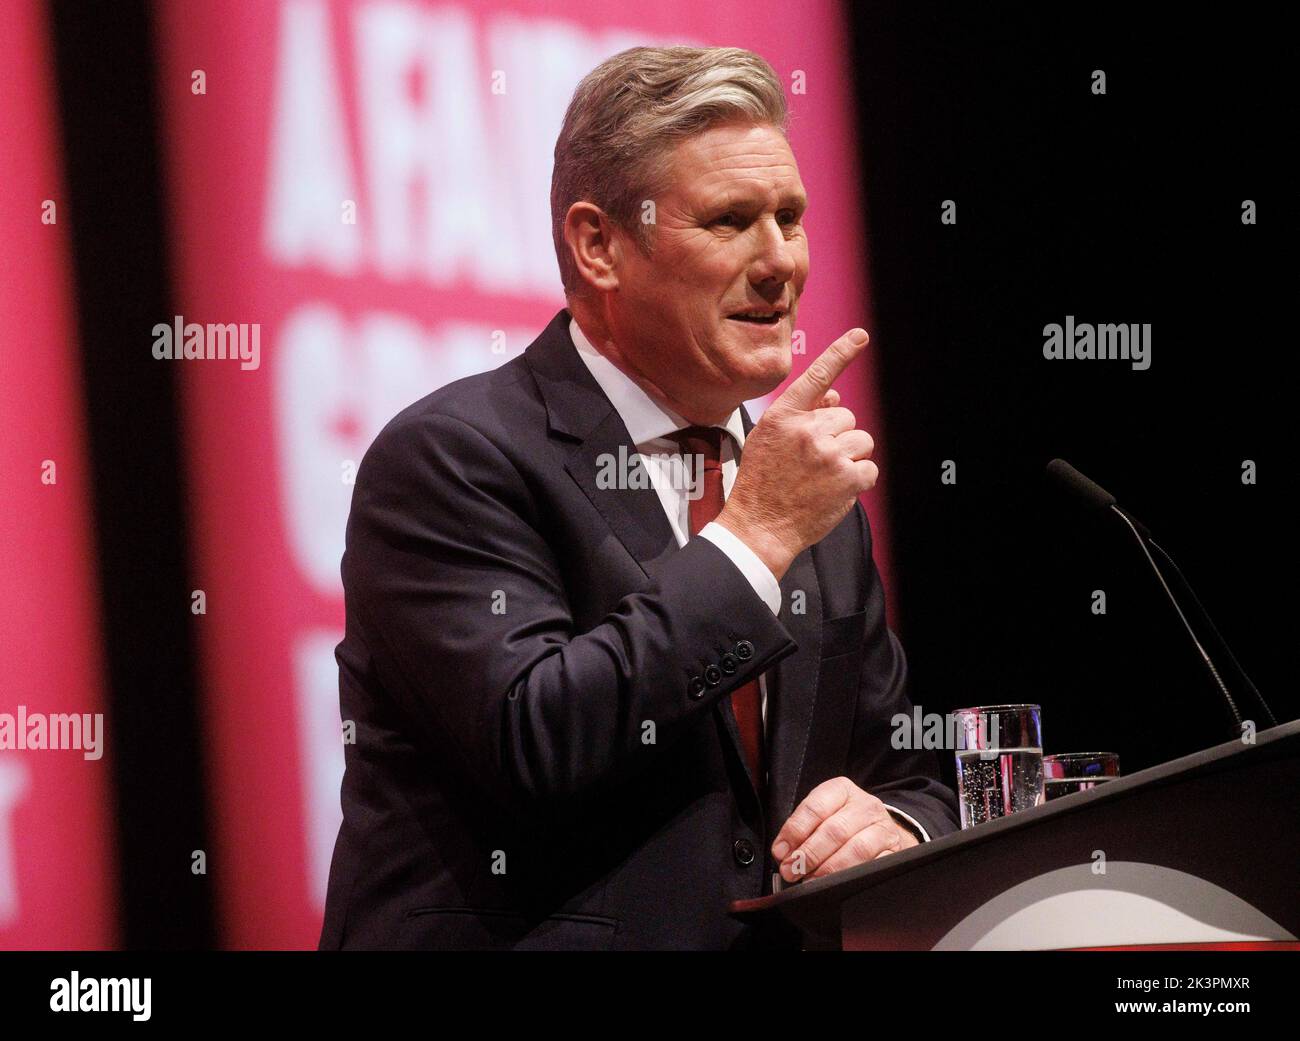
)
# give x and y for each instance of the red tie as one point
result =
(745, 700)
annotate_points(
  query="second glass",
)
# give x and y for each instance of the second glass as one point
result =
(1068, 772)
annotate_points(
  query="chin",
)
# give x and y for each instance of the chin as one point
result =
(757, 372)
(762, 383)
(775, 366)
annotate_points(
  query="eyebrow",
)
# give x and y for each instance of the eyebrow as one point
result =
(789, 200)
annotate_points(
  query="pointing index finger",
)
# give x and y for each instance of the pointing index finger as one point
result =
(813, 383)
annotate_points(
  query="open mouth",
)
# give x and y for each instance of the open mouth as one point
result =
(767, 318)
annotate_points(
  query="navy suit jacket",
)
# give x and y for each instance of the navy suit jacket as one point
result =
(545, 754)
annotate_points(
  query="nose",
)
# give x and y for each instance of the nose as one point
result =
(775, 259)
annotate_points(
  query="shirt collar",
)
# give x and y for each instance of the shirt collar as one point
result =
(645, 419)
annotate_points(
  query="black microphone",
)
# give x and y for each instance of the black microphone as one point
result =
(1088, 493)
(1094, 497)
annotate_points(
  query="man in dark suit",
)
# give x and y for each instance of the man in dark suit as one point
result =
(616, 655)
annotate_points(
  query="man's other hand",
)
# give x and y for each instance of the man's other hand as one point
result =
(836, 826)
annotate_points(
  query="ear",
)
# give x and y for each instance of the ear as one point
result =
(593, 244)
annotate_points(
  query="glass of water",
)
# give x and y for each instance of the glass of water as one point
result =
(1068, 772)
(999, 761)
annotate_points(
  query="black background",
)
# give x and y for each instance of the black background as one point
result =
(1120, 208)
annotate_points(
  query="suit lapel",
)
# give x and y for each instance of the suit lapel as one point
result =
(634, 515)
(582, 417)
(792, 689)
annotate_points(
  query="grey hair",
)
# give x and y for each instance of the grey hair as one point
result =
(630, 111)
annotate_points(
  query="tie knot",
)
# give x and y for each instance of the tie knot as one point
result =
(705, 441)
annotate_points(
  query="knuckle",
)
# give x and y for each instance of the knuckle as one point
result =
(819, 808)
(839, 831)
(863, 845)
(818, 371)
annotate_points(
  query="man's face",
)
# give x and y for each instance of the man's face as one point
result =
(729, 239)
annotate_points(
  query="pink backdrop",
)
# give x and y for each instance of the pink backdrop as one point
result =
(56, 868)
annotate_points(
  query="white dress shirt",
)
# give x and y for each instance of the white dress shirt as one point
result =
(649, 424)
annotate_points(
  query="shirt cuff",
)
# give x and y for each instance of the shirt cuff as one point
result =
(759, 574)
(920, 830)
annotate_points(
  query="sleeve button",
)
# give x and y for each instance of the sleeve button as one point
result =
(744, 650)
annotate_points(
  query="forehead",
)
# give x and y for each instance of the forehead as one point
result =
(735, 159)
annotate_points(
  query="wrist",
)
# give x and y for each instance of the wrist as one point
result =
(767, 547)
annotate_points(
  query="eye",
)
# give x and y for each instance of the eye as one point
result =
(728, 220)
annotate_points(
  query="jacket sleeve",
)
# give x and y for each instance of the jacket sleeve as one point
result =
(904, 778)
(463, 607)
